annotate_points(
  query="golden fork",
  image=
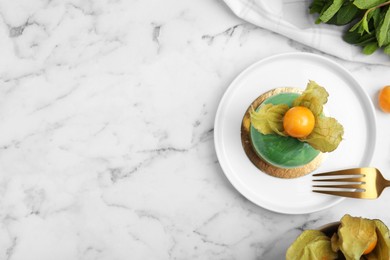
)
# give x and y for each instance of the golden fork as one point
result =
(360, 183)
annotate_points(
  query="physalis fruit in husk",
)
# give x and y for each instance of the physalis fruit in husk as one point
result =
(355, 235)
(269, 119)
(327, 132)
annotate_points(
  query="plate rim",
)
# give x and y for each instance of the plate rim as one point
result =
(236, 183)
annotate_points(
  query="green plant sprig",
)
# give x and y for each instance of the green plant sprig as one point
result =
(369, 21)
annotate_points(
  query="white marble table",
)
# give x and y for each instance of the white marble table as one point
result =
(106, 133)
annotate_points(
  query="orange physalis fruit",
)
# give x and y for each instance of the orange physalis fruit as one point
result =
(298, 122)
(384, 99)
(370, 247)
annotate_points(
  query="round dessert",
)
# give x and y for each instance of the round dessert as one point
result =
(281, 151)
(278, 156)
(285, 131)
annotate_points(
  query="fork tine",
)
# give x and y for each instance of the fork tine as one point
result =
(356, 171)
(341, 186)
(349, 194)
(361, 179)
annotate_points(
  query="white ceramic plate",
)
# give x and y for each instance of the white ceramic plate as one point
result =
(347, 102)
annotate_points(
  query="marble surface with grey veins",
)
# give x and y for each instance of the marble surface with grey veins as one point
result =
(107, 111)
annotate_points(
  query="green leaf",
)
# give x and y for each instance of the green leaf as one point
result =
(327, 134)
(326, 5)
(346, 14)
(365, 24)
(370, 48)
(370, 13)
(362, 25)
(352, 37)
(386, 49)
(358, 39)
(331, 10)
(367, 4)
(268, 119)
(316, 6)
(382, 34)
(357, 25)
(314, 97)
(377, 17)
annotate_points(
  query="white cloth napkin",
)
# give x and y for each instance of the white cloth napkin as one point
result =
(292, 19)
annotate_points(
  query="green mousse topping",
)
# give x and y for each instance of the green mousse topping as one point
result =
(281, 151)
